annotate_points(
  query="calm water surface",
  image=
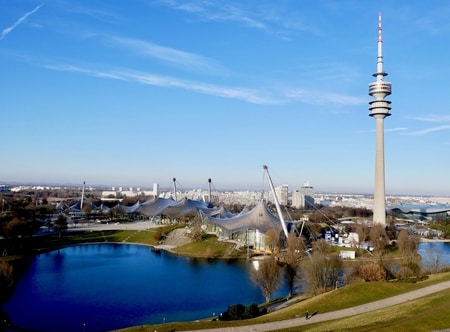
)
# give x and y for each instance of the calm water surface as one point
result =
(101, 287)
(430, 250)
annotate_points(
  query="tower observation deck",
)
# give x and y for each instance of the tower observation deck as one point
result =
(380, 88)
(379, 109)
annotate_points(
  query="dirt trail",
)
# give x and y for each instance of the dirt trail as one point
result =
(177, 237)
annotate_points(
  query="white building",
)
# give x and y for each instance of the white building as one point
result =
(303, 197)
(282, 194)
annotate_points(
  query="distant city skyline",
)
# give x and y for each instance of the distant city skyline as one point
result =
(138, 93)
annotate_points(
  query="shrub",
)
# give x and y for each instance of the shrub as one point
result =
(372, 272)
(238, 311)
(159, 235)
(405, 272)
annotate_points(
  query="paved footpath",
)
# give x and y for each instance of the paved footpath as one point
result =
(336, 314)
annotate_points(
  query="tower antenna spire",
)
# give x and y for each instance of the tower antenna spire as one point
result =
(380, 29)
(380, 73)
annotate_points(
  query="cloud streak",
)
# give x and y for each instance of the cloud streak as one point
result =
(7, 30)
(430, 130)
(392, 130)
(216, 11)
(322, 98)
(180, 59)
(250, 95)
(434, 118)
(256, 15)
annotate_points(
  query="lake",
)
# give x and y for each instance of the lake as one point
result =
(430, 251)
(99, 287)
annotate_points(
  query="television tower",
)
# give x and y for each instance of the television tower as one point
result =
(379, 109)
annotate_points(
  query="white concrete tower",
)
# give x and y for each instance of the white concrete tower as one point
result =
(379, 109)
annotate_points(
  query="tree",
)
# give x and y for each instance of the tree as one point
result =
(196, 230)
(407, 244)
(267, 276)
(432, 260)
(16, 228)
(379, 239)
(6, 280)
(272, 239)
(60, 224)
(292, 259)
(363, 233)
(322, 271)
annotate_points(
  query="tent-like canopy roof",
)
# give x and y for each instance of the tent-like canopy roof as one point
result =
(260, 218)
(185, 207)
(155, 207)
(128, 209)
(160, 206)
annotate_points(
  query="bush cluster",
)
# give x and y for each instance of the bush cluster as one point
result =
(371, 272)
(239, 311)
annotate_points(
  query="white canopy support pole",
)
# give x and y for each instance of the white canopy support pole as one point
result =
(277, 204)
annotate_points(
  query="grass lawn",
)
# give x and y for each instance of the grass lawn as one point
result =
(425, 314)
(210, 247)
(54, 241)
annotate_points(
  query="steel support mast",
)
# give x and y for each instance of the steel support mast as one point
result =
(277, 203)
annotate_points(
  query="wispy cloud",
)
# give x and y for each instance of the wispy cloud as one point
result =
(275, 20)
(251, 95)
(180, 59)
(216, 11)
(434, 118)
(248, 95)
(429, 130)
(7, 30)
(321, 98)
(391, 130)
(88, 10)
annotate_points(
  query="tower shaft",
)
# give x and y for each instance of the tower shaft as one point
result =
(379, 109)
(379, 204)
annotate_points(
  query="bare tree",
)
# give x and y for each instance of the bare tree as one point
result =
(272, 239)
(292, 259)
(379, 239)
(323, 270)
(432, 260)
(408, 245)
(363, 233)
(267, 276)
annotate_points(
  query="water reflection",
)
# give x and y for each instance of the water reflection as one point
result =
(435, 255)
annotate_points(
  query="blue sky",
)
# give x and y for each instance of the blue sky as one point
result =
(131, 93)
